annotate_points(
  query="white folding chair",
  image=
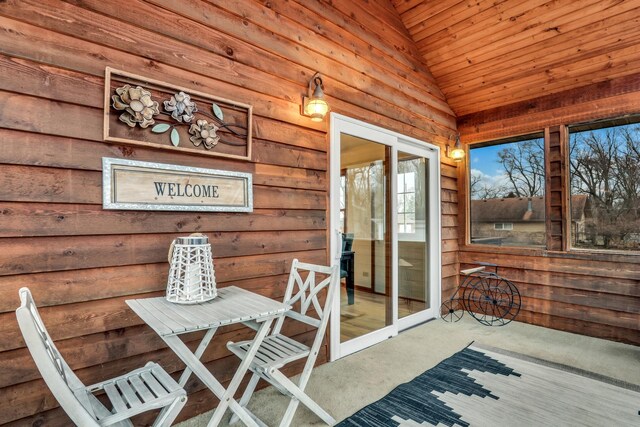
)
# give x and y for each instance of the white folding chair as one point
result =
(139, 391)
(278, 350)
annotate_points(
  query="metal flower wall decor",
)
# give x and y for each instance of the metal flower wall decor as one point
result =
(204, 133)
(181, 107)
(136, 104)
(166, 111)
(139, 108)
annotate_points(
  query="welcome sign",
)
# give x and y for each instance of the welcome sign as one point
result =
(135, 185)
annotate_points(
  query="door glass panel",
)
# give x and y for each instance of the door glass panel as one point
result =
(365, 304)
(412, 224)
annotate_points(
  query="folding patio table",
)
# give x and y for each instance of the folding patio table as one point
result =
(232, 305)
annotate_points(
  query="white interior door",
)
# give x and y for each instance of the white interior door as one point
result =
(385, 197)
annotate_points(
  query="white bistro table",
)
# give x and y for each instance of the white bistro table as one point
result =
(232, 305)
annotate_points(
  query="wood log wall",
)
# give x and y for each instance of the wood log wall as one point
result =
(596, 294)
(82, 262)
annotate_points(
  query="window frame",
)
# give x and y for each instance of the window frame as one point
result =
(567, 251)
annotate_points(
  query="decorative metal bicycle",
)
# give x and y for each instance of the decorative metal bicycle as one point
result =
(488, 297)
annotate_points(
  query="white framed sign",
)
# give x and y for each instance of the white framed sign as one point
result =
(135, 185)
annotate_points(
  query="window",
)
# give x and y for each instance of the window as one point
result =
(605, 184)
(503, 226)
(506, 184)
(412, 195)
(365, 200)
(406, 202)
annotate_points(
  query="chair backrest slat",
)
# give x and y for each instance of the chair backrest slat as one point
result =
(60, 379)
(304, 319)
(302, 293)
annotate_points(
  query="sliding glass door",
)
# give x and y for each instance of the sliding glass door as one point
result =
(412, 247)
(365, 304)
(385, 204)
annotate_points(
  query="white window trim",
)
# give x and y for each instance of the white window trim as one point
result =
(503, 226)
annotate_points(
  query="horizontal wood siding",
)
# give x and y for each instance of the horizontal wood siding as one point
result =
(596, 294)
(83, 262)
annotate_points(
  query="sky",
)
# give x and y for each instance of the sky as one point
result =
(484, 163)
(485, 159)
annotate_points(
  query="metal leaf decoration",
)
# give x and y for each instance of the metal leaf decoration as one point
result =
(217, 111)
(175, 137)
(160, 128)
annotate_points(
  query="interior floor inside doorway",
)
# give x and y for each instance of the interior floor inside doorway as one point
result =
(367, 314)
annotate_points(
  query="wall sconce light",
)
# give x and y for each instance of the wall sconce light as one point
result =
(456, 153)
(314, 105)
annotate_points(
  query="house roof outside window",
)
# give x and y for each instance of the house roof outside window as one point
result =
(522, 209)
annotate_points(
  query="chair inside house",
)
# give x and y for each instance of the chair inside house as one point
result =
(142, 390)
(277, 350)
(347, 260)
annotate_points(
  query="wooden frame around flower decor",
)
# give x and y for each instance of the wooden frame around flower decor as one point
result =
(147, 112)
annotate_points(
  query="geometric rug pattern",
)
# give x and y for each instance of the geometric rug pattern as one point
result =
(490, 387)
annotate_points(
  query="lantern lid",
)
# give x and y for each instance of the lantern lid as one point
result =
(192, 240)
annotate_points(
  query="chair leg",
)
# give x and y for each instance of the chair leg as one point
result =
(299, 397)
(255, 418)
(170, 412)
(246, 396)
(289, 413)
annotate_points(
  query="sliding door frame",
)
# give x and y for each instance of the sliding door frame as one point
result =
(340, 124)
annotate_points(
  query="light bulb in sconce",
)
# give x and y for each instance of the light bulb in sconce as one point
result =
(314, 104)
(456, 153)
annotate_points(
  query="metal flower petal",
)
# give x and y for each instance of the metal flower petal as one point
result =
(136, 105)
(204, 133)
(181, 107)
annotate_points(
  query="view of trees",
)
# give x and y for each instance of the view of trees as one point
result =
(510, 170)
(604, 165)
(523, 176)
(366, 201)
(365, 185)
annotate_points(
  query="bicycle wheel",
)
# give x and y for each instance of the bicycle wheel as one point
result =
(493, 300)
(450, 311)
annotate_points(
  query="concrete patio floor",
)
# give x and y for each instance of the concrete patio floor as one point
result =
(345, 386)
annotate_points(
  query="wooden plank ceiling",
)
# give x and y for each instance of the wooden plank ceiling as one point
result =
(490, 53)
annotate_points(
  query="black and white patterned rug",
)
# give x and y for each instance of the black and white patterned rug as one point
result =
(491, 387)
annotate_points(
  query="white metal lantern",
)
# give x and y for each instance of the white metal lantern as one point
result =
(191, 274)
